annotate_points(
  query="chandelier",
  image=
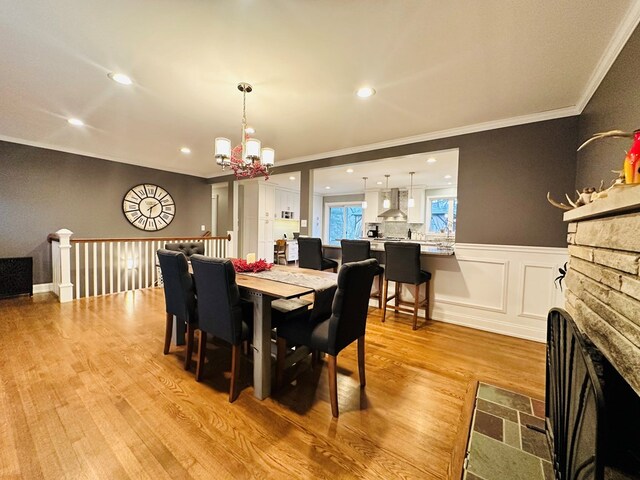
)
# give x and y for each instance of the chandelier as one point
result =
(247, 159)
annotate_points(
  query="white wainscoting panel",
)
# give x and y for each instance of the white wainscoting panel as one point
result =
(484, 284)
(499, 288)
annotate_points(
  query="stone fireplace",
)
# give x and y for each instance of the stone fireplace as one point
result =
(603, 297)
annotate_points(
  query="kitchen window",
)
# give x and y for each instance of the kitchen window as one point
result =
(441, 215)
(342, 220)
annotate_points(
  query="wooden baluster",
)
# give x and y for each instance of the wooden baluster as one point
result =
(110, 267)
(119, 268)
(146, 264)
(153, 263)
(86, 270)
(140, 265)
(102, 268)
(126, 266)
(95, 268)
(78, 246)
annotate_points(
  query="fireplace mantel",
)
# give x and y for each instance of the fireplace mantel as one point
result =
(603, 282)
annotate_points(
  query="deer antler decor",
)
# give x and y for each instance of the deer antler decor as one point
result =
(632, 161)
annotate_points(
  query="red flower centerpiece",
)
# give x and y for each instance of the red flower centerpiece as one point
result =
(240, 265)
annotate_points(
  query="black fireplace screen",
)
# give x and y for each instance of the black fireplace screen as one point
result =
(575, 403)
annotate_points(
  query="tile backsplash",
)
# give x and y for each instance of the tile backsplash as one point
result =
(398, 229)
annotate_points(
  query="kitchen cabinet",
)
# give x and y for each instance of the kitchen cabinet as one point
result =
(257, 221)
(266, 201)
(265, 239)
(287, 201)
(416, 214)
(371, 212)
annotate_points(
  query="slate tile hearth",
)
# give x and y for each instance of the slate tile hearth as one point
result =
(501, 444)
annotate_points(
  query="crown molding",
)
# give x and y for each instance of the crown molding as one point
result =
(58, 148)
(617, 43)
(424, 137)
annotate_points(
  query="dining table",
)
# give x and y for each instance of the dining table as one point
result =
(261, 289)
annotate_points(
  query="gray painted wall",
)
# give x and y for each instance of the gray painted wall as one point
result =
(614, 106)
(225, 214)
(44, 190)
(503, 179)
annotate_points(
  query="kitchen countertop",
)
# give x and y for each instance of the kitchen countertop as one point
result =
(377, 245)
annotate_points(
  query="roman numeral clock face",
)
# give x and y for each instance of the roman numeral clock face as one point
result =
(148, 207)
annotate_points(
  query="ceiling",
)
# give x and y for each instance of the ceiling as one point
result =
(290, 181)
(435, 65)
(427, 174)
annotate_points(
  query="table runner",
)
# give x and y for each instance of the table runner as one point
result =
(324, 289)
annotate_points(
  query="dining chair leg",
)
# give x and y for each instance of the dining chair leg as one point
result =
(380, 281)
(384, 299)
(189, 349)
(397, 299)
(167, 333)
(416, 304)
(280, 356)
(333, 385)
(202, 348)
(363, 381)
(235, 372)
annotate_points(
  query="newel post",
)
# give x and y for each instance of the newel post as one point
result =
(65, 287)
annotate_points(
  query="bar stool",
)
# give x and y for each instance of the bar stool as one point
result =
(357, 251)
(310, 255)
(403, 266)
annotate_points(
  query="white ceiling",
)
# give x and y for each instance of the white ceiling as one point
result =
(430, 175)
(289, 181)
(435, 65)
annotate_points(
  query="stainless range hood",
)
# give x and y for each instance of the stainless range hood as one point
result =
(394, 214)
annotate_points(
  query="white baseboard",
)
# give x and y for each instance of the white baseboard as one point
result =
(43, 288)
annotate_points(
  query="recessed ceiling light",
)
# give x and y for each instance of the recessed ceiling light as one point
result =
(328, 187)
(292, 178)
(365, 92)
(378, 183)
(120, 78)
(250, 130)
(185, 150)
(447, 176)
(76, 122)
(431, 160)
(449, 183)
(349, 170)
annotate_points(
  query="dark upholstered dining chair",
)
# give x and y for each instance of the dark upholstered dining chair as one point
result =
(346, 324)
(221, 312)
(179, 296)
(356, 251)
(188, 249)
(310, 255)
(402, 260)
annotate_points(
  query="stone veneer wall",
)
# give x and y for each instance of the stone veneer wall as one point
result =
(603, 288)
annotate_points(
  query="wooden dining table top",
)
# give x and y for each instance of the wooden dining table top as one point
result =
(277, 289)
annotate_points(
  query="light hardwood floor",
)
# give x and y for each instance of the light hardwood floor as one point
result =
(85, 392)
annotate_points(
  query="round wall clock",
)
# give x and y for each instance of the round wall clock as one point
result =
(148, 207)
